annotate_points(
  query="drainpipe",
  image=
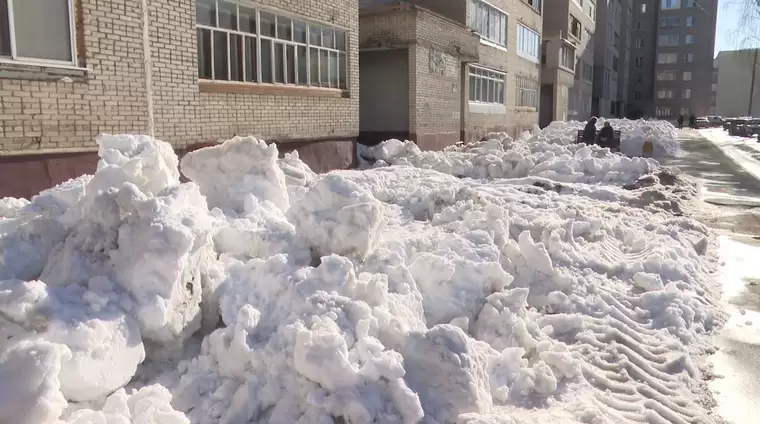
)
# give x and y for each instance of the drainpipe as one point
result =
(148, 66)
(752, 84)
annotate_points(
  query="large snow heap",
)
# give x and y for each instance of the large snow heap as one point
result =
(261, 292)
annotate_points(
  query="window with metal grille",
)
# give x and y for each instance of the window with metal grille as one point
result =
(526, 91)
(242, 43)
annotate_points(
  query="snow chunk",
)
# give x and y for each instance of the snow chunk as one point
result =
(231, 172)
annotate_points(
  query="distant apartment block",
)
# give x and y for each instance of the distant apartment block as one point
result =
(737, 91)
(442, 71)
(672, 52)
(611, 51)
(567, 60)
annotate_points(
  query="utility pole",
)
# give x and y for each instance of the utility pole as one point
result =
(752, 84)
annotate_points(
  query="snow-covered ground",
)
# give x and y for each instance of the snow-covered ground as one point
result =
(503, 282)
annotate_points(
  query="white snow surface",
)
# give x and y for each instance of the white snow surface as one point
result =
(261, 292)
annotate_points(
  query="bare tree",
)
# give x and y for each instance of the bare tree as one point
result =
(747, 33)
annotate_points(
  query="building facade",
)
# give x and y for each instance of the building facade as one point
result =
(449, 89)
(737, 92)
(567, 60)
(188, 71)
(609, 56)
(672, 58)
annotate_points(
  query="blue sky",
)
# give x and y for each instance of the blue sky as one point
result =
(726, 37)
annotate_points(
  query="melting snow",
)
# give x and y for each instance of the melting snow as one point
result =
(499, 282)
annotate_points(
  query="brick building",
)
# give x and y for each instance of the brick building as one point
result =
(283, 70)
(439, 72)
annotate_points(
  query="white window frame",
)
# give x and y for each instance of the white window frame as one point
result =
(478, 5)
(664, 93)
(526, 91)
(670, 4)
(685, 74)
(523, 29)
(663, 111)
(15, 58)
(667, 75)
(689, 58)
(480, 74)
(660, 57)
(591, 10)
(274, 40)
(566, 57)
(689, 21)
(639, 43)
(668, 40)
(689, 39)
(686, 93)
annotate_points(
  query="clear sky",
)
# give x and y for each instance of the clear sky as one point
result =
(726, 35)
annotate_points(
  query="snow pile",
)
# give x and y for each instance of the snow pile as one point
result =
(501, 157)
(260, 292)
(633, 135)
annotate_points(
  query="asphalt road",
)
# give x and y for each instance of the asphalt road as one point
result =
(737, 362)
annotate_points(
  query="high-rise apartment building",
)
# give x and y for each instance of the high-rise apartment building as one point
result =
(737, 84)
(609, 57)
(672, 58)
(567, 58)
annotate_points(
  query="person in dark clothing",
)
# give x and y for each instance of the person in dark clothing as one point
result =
(680, 121)
(693, 121)
(589, 132)
(607, 136)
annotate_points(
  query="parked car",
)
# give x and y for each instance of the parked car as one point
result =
(715, 121)
(702, 122)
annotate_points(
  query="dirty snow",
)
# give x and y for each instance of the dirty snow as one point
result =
(523, 281)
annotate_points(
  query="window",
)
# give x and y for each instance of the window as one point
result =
(637, 95)
(566, 55)
(588, 71)
(616, 39)
(639, 43)
(684, 111)
(526, 92)
(639, 26)
(687, 93)
(662, 112)
(689, 21)
(591, 10)
(241, 43)
(687, 76)
(667, 40)
(666, 75)
(671, 22)
(487, 86)
(614, 63)
(667, 58)
(689, 39)
(638, 61)
(714, 87)
(670, 4)
(31, 33)
(643, 8)
(536, 4)
(689, 57)
(575, 27)
(691, 3)
(664, 94)
(489, 22)
(528, 43)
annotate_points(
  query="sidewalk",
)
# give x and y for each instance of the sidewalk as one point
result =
(745, 151)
